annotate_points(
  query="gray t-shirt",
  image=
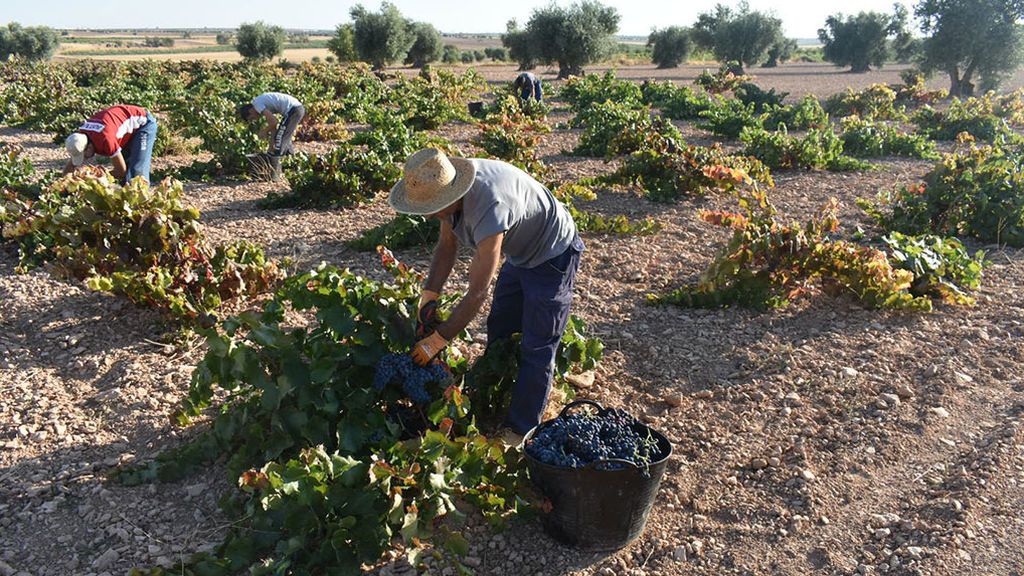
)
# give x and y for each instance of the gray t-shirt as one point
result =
(503, 198)
(276, 102)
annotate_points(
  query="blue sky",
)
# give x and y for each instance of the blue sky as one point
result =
(801, 19)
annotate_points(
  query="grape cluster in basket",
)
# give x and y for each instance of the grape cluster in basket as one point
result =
(413, 378)
(579, 439)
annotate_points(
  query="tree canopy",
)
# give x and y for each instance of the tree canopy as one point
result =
(426, 47)
(572, 36)
(862, 41)
(259, 41)
(739, 35)
(381, 38)
(781, 51)
(670, 46)
(342, 44)
(30, 43)
(517, 41)
(970, 39)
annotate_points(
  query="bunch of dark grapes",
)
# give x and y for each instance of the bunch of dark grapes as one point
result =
(414, 379)
(577, 440)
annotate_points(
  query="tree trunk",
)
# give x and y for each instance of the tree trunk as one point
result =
(966, 86)
(960, 86)
(565, 70)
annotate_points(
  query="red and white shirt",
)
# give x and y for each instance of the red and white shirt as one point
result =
(109, 130)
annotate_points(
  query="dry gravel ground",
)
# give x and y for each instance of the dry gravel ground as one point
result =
(797, 78)
(822, 438)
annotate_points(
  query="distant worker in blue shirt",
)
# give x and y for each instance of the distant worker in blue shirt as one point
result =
(527, 85)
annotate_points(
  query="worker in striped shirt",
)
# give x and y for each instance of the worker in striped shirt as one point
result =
(123, 133)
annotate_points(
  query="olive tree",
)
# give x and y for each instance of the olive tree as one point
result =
(427, 46)
(259, 41)
(519, 45)
(574, 36)
(497, 54)
(862, 41)
(451, 54)
(670, 46)
(342, 44)
(381, 38)
(739, 35)
(781, 51)
(971, 38)
(29, 43)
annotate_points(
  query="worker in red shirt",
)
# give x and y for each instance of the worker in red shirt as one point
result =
(123, 133)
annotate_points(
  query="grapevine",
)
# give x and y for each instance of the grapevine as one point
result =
(414, 379)
(402, 231)
(768, 264)
(975, 191)
(137, 240)
(582, 92)
(675, 102)
(509, 133)
(308, 428)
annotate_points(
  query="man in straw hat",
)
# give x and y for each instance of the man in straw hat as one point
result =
(498, 210)
(123, 133)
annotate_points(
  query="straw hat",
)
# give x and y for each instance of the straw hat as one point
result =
(432, 182)
(76, 144)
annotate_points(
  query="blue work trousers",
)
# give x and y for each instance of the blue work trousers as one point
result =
(533, 89)
(138, 153)
(534, 302)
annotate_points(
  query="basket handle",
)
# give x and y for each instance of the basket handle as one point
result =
(576, 403)
(595, 465)
(566, 409)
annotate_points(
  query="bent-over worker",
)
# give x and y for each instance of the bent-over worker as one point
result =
(498, 210)
(527, 85)
(279, 134)
(123, 133)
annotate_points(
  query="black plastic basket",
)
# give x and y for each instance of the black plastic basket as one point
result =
(598, 508)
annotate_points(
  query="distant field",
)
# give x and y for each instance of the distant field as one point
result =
(203, 46)
(187, 50)
(473, 42)
(200, 46)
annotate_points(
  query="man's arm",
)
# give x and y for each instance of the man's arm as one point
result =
(481, 272)
(69, 167)
(270, 127)
(443, 260)
(118, 166)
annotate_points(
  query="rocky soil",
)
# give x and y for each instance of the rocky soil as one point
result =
(822, 438)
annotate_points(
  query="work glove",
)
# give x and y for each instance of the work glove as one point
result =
(426, 349)
(426, 316)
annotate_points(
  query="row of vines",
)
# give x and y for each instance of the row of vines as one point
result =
(916, 257)
(335, 465)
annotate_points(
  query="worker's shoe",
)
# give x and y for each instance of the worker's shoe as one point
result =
(275, 168)
(511, 438)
